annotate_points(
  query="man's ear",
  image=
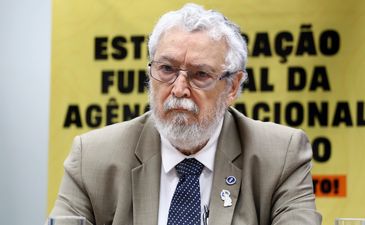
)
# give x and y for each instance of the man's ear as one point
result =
(236, 82)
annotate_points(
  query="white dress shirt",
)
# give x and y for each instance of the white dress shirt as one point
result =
(169, 178)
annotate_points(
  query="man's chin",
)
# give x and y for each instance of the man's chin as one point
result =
(185, 118)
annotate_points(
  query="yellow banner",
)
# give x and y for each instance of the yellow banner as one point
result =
(305, 67)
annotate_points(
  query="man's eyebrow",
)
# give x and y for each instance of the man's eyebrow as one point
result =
(201, 66)
(167, 58)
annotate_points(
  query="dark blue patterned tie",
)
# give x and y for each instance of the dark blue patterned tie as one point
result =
(185, 205)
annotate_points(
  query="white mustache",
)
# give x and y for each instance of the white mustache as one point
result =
(180, 103)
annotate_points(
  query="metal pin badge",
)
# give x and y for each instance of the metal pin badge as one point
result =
(231, 180)
(225, 196)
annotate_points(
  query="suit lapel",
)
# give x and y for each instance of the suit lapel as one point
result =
(229, 149)
(146, 177)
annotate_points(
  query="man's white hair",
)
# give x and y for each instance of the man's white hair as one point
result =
(192, 17)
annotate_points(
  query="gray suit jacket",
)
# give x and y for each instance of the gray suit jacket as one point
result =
(112, 175)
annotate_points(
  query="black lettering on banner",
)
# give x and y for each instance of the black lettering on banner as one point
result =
(137, 43)
(294, 114)
(318, 113)
(129, 114)
(313, 113)
(319, 79)
(336, 185)
(111, 111)
(306, 41)
(329, 42)
(125, 81)
(277, 112)
(342, 115)
(147, 108)
(264, 84)
(73, 117)
(118, 47)
(107, 80)
(260, 107)
(241, 107)
(93, 116)
(360, 114)
(283, 45)
(329, 186)
(120, 52)
(245, 37)
(100, 48)
(262, 45)
(297, 79)
(250, 85)
(142, 81)
(326, 186)
(321, 149)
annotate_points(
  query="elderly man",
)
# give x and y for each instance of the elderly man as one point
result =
(193, 159)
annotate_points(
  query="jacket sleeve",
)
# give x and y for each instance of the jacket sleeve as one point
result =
(293, 201)
(72, 198)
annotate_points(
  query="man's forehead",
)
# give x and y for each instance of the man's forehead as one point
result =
(177, 45)
(197, 36)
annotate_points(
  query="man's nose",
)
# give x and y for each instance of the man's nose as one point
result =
(181, 88)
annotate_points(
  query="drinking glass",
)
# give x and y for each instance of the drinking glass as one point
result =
(67, 220)
(350, 221)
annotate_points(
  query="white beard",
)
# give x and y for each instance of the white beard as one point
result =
(177, 130)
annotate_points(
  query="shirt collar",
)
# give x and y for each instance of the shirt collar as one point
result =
(171, 156)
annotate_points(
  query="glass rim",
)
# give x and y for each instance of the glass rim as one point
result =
(191, 82)
(67, 217)
(350, 219)
(80, 220)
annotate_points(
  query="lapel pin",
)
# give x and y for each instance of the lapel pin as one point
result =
(225, 196)
(231, 180)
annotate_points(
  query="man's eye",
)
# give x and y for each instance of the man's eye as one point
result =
(166, 68)
(201, 75)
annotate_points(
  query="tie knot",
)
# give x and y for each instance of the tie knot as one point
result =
(189, 166)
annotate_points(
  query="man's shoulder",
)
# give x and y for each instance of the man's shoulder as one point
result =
(117, 138)
(119, 130)
(267, 144)
(265, 137)
(259, 128)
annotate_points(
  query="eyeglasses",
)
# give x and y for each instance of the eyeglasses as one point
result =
(199, 79)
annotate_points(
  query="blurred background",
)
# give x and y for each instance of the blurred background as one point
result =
(25, 49)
